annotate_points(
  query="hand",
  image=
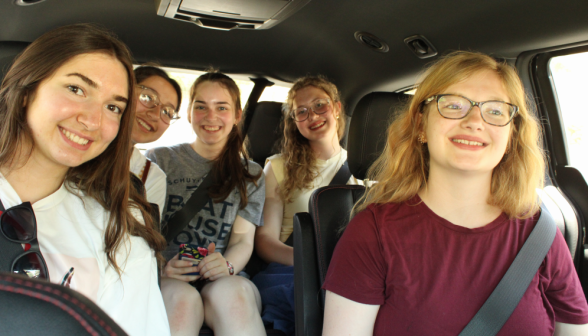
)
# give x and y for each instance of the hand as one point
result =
(214, 265)
(175, 269)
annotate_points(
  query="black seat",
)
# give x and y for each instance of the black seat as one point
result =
(38, 307)
(8, 51)
(264, 132)
(316, 233)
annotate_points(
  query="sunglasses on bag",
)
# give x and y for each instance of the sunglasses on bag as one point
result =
(19, 225)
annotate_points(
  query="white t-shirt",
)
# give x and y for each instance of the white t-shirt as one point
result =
(155, 185)
(327, 170)
(70, 231)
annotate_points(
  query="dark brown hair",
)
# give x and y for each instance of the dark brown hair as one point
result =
(229, 171)
(299, 158)
(104, 178)
(149, 70)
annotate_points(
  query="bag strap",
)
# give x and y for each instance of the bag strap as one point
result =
(146, 171)
(510, 290)
(180, 219)
(342, 175)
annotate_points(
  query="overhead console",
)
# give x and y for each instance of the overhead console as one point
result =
(230, 14)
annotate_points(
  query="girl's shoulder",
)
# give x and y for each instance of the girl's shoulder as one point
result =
(252, 167)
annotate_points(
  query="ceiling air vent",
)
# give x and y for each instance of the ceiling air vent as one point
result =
(371, 42)
(420, 46)
(230, 14)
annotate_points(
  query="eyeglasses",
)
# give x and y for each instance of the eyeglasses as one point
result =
(148, 97)
(18, 224)
(494, 112)
(318, 106)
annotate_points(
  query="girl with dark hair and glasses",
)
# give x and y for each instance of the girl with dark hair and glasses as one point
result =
(66, 114)
(217, 295)
(158, 104)
(455, 201)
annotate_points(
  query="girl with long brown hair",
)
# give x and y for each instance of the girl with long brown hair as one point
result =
(454, 203)
(314, 123)
(66, 106)
(228, 303)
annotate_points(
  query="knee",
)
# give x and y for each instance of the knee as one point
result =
(179, 295)
(230, 295)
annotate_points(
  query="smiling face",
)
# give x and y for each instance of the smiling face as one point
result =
(321, 127)
(213, 115)
(469, 144)
(75, 113)
(148, 126)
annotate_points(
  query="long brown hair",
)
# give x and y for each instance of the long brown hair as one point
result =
(403, 167)
(228, 169)
(299, 158)
(104, 178)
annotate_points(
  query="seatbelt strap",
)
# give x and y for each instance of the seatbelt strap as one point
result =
(342, 175)
(180, 219)
(340, 178)
(259, 85)
(510, 290)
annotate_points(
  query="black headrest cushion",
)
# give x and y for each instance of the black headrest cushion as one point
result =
(367, 130)
(264, 131)
(8, 51)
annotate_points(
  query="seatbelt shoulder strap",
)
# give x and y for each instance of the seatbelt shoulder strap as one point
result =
(180, 219)
(510, 290)
(342, 175)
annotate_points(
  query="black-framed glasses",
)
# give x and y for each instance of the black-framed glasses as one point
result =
(148, 98)
(494, 112)
(19, 225)
(318, 106)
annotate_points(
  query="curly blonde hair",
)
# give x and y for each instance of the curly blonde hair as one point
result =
(403, 167)
(299, 158)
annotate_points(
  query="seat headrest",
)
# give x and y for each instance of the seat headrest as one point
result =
(8, 51)
(367, 130)
(264, 131)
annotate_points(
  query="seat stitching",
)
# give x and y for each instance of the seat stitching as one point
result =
(61, 305)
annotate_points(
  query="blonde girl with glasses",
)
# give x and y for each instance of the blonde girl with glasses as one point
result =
(227, 302)
(66, 112)
(314, 123)
(455, 201)
(158, 98)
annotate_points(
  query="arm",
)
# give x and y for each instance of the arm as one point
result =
(346, 317)
(238, 252)
(565, 329)
(267, 237)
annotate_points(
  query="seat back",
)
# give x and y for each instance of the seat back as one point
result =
(8, 51)
(37, 307)
(264, 132)
(316, 233)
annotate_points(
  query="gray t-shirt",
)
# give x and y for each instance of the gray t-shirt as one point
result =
(185, 170)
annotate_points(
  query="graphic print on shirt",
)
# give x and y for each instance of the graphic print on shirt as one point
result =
(211, 224)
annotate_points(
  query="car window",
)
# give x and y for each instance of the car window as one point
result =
(570, 78)
(181, 130)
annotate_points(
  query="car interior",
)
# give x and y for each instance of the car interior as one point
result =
(374, 51)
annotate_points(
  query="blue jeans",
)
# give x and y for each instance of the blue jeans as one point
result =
(276, 287)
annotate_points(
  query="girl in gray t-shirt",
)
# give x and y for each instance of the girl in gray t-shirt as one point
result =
(226, 224)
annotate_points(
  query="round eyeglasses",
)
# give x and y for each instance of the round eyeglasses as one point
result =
(494, 112)
(148, 98)
(318, 106)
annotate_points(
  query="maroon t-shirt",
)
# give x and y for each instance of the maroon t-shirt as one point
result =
(430, 277)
